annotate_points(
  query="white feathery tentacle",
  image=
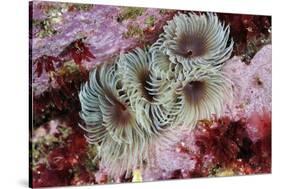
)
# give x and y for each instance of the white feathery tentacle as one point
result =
(201, 93)
(195, 39)
(151, 96)
(110, 121)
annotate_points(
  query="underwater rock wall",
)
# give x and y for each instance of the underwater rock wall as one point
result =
(67, 40)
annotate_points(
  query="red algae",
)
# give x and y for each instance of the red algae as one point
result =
(217, 148)
(62, 155)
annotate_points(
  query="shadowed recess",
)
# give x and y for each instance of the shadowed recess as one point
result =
(120, 113)
(145, 80)
(194, 91)
(190, 46)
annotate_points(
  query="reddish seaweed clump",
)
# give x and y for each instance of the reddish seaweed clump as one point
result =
(45, 63)
(78, 51)
(65, 79)
(249, 33)
(67, 161)
(231, 147)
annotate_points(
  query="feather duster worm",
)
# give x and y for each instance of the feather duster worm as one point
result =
(195, 39)
(137, 103)
(166, 69)
(201, 93)
(151, 96)
(110, 121)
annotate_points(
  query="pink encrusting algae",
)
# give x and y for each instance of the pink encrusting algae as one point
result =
(67, 41)
(99, 24)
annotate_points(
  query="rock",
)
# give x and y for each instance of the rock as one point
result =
(252, 83)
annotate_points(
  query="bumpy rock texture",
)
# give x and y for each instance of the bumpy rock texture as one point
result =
(252, 82)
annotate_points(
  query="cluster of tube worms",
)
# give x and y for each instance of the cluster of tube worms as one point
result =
(143, 96)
